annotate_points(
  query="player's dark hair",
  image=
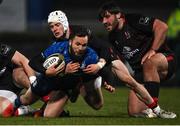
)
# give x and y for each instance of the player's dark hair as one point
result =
(80, 31)
(110, 7)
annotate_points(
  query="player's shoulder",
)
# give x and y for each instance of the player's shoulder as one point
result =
(129, 17)
(91, 52)
(6, 50)
(62, 43)
(138, 21)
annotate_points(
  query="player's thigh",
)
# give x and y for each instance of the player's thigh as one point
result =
(166, 64)
(20, 77)
(159, 62)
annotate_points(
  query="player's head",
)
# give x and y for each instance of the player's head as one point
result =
(78, 41)
(58, 23)
(109, 15)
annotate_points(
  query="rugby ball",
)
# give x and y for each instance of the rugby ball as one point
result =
(54, 59)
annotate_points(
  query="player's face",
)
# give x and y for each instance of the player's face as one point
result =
(109, 21)
(79, 45)
(57, 29)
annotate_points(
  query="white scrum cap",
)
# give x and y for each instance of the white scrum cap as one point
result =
(59, 16)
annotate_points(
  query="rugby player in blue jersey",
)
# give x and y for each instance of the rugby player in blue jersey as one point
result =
(74, 51)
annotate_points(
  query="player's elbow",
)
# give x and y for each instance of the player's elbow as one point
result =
(160, 25)
(165, 27)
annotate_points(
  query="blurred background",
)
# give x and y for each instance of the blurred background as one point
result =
(23, 23)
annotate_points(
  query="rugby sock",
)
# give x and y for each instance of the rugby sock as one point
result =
(154, 107)
(153, 89)
(45, 98)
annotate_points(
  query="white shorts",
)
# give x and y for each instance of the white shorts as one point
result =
(11, 96)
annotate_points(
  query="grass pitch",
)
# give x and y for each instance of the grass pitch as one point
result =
(114, 112)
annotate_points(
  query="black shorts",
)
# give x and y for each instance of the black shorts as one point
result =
(45, 84)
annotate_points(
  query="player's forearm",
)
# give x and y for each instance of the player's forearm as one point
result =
(29, 71)
(160, 30)
(20, 60)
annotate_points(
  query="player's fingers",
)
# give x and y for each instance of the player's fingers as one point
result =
(86, 70)
(53, 66)
(60, 69)
(109, 88)
(143, 59)
(75, 66)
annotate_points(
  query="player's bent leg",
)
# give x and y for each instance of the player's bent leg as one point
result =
(92, 93)
(122, 73)
(159, 67)
(20, 77)
(56, 104)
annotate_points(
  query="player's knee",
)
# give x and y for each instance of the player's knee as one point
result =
(148, 64)
(95, 103)
(47, 115)
(98, 106)
(133, 111)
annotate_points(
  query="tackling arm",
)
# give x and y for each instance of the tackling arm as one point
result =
(20, 60)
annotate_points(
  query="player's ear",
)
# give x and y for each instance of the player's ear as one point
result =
(118, 15)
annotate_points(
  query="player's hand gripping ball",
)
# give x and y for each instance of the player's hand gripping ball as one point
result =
(53, 59)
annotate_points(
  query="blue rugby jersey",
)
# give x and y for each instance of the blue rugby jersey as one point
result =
(62, 47)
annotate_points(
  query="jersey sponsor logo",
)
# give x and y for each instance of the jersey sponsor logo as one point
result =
(128, 52)
(2, 70)
(126, 49)
(144, 20)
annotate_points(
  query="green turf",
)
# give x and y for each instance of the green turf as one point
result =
(114, 112)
